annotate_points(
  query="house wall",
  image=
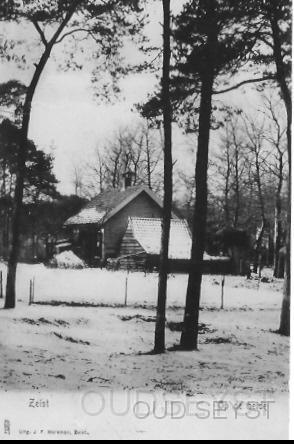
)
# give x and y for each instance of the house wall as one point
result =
(31, 249)
(143, 206)
(130, 246)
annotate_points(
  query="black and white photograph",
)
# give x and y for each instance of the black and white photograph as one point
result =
(145, 219)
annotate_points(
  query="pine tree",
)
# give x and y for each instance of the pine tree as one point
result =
(214, 41)
(215, 38)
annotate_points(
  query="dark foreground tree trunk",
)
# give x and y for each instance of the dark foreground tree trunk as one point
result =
(168, 186)
(278, 222)
(189, 339)
(19, 188)
(285, 327)
(285, 324)
(22, 156)
(286, 94)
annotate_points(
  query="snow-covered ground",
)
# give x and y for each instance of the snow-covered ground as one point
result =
(101, 287)
(63, 347)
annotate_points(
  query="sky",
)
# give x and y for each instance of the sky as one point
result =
(67, 120)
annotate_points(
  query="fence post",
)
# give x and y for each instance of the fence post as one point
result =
(30, 295)
(34, 282)
(127, 289)
(1, 285)
(32, 291)
(223, 293)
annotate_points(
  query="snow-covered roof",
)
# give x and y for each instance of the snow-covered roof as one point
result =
(148, 233)
(86, 216)
(108, 204)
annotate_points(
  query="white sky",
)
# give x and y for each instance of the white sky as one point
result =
(66, 115)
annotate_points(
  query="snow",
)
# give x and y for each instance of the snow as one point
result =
(86, 216)
(102, 287)
(148, 233)
(67, 259)
(66, 348)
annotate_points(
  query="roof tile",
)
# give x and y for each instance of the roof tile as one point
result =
(96, 210)
(148, 233)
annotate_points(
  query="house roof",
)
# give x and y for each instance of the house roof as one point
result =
(148, 232)
(107, 204)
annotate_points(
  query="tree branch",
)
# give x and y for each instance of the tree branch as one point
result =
(265, 40)
(75, 31)
(41, 32)
(64, 23)
(245, 82)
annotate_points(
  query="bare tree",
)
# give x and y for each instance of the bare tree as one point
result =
(137, 149)
(246, 174)
(255, 134)
(152, 158)
(78, 179)
(278, 18)
(98, 169)
(276, 138)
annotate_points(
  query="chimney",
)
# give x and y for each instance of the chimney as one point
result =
(128, 180)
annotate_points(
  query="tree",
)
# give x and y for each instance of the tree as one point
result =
(11, 94)
(276, 138)
(275, 51)
(233, 169)
(207, 16)
(275, 36)
(39, 180)
(277, 12)
(255, 137)
(78, 179)
(214, 38)
(103, 21)
(259, 144)
(159, 346)
(137, 149)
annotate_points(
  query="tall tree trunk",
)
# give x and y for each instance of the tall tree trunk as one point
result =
(259, 241)
(168, 185)
(21, 161)
(237, 188)
(285, 327)
(189, 339)
(19, 187)
(258, 249)
(149, 172)
(278, 222)
(227, 185)
(286, 94)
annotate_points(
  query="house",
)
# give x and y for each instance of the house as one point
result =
(97, 231)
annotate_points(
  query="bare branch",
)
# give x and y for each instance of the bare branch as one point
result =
(64, 23)
(41, 33)
(245, 82)
(75, 31)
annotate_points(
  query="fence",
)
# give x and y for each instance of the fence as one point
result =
(37, 284)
